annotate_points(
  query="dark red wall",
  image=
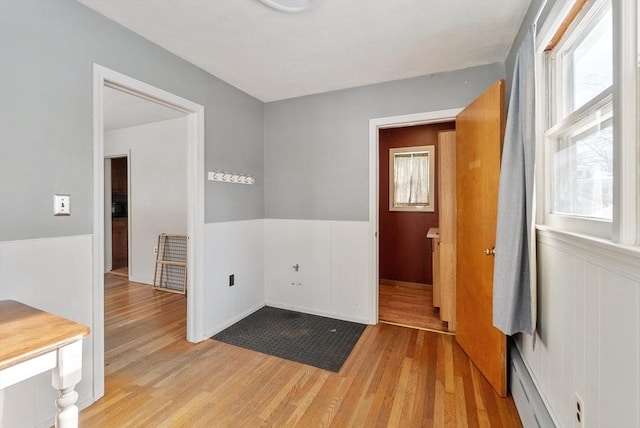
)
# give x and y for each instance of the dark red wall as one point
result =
(404, 250)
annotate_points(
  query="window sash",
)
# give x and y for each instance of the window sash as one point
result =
(411, 179)
(625, 227)
(556, 121)
(597, 111)
(411, 175)
(570, 74)
(560, 78)
(582, 173)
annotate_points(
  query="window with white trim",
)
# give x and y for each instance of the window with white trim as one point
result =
(411, 179)
(579, 62)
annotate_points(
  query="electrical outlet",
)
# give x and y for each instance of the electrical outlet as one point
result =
(579, 412)
(155, 250)
(232, 280)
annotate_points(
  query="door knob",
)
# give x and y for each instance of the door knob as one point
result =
(490, 251)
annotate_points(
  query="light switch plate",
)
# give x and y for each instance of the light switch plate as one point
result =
(61, 205)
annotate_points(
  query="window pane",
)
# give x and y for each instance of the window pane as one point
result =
(402, 179)
(420, 179)
(591, 64)
(411, 179)
(411, 176)
(583, 173)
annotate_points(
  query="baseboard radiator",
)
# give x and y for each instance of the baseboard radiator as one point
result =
(533, 412)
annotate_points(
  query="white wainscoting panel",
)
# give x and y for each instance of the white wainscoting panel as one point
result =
(52, 274)
(332, 274)
(232, 248)
(304, 243)
(588, 339)
(350, 292)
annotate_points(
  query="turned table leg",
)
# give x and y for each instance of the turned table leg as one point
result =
(64, 378)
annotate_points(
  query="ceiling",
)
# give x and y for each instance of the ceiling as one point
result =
(122, 110)
(334, 44)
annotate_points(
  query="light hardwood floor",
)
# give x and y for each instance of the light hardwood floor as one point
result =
(123, 271)
(395, 377)
(409, 305)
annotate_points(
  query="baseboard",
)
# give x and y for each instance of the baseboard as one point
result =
(416, 285)
(533, 413)
(218, 328)
(141, 279)
(83, 404)
(315, 312)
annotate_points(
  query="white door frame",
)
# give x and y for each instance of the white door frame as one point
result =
(375, 125)
(102, 77)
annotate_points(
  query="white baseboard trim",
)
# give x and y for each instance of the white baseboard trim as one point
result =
(85, 403)
(529, 403)
(314, 312)
(218, 328)
(141, 279)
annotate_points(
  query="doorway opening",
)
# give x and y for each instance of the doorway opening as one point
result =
(478, 144)
(407, 261)
(116, 175)
(376, 127)
(105, 80)
(145, 150)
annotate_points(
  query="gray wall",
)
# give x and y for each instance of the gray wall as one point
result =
(47, 49)
(317, 147)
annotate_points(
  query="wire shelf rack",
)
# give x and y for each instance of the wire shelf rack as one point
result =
(171, 264)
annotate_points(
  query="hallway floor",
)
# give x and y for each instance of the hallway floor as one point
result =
(409, 305)
(123, 271)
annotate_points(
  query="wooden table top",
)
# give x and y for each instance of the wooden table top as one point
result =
(27, 332)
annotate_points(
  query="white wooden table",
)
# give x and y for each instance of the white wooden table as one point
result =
(33, 341)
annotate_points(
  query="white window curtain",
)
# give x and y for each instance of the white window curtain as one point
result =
(411, 179)
(514, 279)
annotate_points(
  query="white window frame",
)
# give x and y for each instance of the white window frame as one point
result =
(429, 206)
(625, 225)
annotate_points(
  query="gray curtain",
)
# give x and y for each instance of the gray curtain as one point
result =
(514, 277)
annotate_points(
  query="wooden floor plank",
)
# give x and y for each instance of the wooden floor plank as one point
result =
(410, 306)
(394, 377)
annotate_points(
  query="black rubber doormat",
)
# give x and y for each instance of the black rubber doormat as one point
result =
(308, 339)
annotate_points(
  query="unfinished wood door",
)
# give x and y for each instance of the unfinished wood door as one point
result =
(479, 129)
(437, 284)
(447, 223)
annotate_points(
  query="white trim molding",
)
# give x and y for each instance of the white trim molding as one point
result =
(625, 104)
(623, 259)
(375, 125)
(624, 227)
(102, 77)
